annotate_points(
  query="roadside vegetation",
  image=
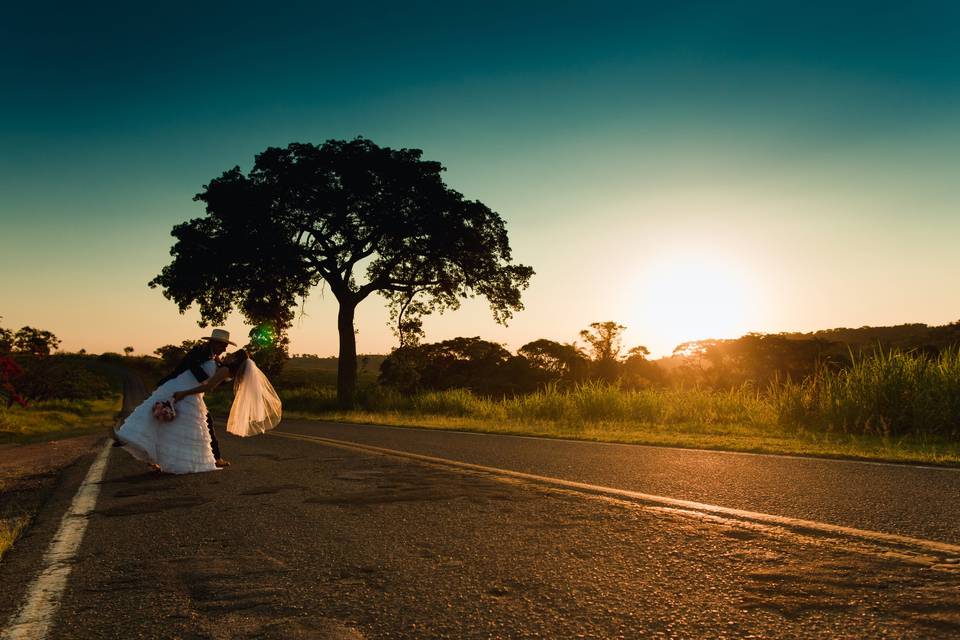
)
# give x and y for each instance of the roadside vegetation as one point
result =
(871, 402)
(46, 395)
(55, 419)
(737, 420)
(890, 393)
(10, 530)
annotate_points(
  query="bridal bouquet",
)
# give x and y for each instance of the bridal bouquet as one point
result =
(164, 411)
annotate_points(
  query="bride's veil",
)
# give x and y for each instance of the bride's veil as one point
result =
(256, 406)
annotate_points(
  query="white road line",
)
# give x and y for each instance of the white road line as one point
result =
(888, 539)
(658, 447)
(33, 620)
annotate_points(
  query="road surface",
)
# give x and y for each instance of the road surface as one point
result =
(299, 539)
(901, 499)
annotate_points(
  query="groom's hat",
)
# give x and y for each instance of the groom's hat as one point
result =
(219, 335)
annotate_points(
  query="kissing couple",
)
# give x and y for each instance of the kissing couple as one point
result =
(185, 441)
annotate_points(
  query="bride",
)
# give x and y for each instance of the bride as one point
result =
(183, 444)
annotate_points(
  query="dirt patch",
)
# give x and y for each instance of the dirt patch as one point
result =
(28, 474)
(21, 462)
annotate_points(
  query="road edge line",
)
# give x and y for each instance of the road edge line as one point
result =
(796, 524)
(35, 616)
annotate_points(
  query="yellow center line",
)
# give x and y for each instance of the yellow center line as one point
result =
(945, 550)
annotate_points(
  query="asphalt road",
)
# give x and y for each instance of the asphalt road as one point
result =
(302, 540)
(920, 502)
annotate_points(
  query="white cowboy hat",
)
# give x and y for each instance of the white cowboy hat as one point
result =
(221, 335)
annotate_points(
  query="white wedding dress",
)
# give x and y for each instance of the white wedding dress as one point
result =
(179, 446)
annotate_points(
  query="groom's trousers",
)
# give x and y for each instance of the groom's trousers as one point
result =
(213, 438)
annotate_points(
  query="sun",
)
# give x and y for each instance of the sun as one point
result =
(693, 296)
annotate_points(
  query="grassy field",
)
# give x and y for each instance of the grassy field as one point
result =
(54, 419)
(892, 406)
(41, 422)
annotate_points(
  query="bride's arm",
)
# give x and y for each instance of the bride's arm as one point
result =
(209, 384)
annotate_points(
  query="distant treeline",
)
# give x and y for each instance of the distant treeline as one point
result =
(488, 368)
(31, 370)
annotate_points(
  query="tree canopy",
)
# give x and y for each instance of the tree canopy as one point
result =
(605, 340)
(358, 217)
(30, 340)
(557, 360)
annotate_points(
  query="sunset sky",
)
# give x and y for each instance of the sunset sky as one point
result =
(696, 171)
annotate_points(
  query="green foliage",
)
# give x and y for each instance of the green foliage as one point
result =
(54, 419)
(890, 393)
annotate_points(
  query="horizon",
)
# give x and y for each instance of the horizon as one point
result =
(690, 172)
(625, 348)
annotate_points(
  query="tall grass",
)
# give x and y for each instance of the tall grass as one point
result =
(892, 393)
(583, 405)
(889, 394)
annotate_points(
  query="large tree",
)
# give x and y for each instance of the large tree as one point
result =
(35, 341)
(359, 217)
(605, 340)
(561, 361)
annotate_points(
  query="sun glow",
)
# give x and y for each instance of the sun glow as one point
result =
(692, 296)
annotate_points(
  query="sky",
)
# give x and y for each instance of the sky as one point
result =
(690, 170)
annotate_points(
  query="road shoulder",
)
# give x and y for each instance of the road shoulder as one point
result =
(48, 496)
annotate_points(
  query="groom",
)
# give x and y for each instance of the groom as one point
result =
(210, 349)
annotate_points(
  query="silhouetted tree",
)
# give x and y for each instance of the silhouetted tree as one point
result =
(334, 213)
(604, 339)
(35, 341)
(171, 354)
(559, 361)
(127, 351)
(6, 340)
(638, 371)
(757, 358)
(459, 363)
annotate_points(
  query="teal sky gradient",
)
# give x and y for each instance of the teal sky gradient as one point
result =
(808, 152)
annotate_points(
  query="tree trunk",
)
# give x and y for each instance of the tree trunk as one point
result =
(347, 361)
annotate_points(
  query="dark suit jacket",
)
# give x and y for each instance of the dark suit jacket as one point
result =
(191, 362)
